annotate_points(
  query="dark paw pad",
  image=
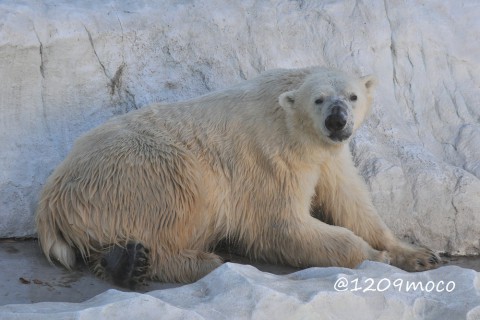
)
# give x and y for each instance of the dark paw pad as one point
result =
(125, 266)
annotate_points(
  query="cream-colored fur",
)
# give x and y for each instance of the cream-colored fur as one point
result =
(251, 163)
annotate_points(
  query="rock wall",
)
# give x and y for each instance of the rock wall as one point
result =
(67, 66)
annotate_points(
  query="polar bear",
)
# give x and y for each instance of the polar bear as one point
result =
(150, 193)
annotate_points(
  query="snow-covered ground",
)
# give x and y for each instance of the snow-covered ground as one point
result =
(239, 291)
(235, 291)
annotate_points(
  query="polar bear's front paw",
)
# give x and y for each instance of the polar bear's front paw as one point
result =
(381, 256)
(412, 259)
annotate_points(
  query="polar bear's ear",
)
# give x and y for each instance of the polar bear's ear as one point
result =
(369, 82)
(287, 99)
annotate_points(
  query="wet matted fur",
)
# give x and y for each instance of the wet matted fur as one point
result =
(251, 163)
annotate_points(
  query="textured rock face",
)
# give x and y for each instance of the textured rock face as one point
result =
(373, 291)
(68, 66)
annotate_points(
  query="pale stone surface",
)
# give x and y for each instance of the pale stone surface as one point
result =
(234, 291)
(67, 66)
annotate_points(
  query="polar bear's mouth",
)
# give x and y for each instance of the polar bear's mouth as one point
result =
(340, 136)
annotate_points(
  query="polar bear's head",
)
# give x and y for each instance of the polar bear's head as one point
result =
(329, 104)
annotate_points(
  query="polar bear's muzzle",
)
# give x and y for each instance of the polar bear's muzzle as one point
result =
(337, 122)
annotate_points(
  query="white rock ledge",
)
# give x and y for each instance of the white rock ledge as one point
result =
(236, 291)
(67, 66)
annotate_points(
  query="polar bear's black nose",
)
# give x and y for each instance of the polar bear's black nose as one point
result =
(337, 120)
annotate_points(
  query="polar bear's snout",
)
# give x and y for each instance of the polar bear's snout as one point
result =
(337, 122)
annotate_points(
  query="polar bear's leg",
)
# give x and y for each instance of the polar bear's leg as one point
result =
(311, 242)
(131, 265)
(183, 266)
(344, 201)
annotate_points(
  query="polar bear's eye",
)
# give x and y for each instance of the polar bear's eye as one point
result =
(353, 97)
(319, 101)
